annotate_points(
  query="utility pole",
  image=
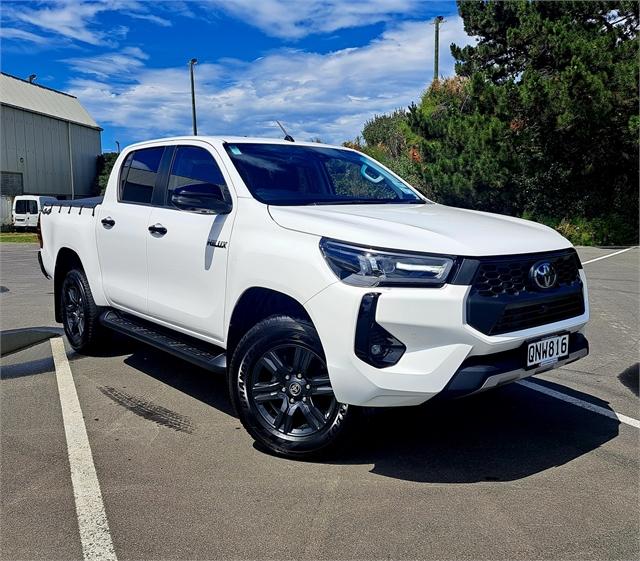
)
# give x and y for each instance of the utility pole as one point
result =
(118, 145)
(192, 63)
(437, 21)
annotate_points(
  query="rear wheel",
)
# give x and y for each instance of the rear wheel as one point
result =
(280, 386)
(79, 311)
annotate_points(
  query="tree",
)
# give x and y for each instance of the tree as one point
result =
(104, 166)
(465, 155)
(542, 118)
(388, 139)
(388, 131)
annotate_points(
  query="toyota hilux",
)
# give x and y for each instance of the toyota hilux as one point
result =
(314, 278)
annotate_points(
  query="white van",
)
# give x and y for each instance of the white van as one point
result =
(26, 209)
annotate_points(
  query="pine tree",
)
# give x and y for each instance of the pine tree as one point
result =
(543, 117)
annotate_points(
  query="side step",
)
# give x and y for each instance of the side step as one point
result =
(187, 348)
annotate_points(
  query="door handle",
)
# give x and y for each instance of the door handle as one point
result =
(158, 229)
(108, 222)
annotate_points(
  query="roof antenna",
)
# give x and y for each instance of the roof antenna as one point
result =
(287, 136)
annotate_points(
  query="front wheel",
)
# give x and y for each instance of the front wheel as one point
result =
(280, 387)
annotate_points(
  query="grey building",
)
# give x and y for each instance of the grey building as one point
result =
(49, 144)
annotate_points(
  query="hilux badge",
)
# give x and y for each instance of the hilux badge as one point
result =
(217, 243)
(544, 275)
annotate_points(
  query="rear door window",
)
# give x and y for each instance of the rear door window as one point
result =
(26, 206)
(139, 175)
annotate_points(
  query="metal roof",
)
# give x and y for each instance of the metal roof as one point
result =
(45, 101)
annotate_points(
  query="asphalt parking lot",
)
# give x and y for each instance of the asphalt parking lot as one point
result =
(510, 474)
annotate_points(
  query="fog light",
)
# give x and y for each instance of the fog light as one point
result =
(373, 343)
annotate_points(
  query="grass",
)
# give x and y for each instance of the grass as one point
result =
(18, 237)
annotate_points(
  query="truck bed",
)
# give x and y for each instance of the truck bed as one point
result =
(89, 203)
(71, 225)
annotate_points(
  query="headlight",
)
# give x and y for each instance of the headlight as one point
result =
(361, 266)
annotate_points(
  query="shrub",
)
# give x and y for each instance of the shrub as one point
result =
(612, 229)
(104, 166)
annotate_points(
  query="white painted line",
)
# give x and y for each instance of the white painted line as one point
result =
(580, 403)
(608, 255)
(92, 519)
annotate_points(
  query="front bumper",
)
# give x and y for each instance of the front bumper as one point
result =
(480, 373)
(431, 323)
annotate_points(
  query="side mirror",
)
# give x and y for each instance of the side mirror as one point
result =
(206, 198)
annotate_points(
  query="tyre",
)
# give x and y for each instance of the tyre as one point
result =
(279, 385)
(79, 312)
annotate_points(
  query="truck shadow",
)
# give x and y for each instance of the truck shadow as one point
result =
(630, 378)
(501, 435)
(200, 384)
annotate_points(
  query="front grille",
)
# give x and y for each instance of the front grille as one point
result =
(503, 298)
(518, 317)
(511, 276)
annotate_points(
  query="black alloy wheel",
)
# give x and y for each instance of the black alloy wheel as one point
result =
(79, 312)
(73, 309)
(290, 388)
(280, 387)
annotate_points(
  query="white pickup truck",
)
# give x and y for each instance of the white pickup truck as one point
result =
(313, 277)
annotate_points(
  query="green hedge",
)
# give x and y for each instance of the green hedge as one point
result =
(611, 229)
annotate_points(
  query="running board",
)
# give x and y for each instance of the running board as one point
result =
(193, 350)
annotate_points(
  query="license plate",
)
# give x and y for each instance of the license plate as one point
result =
(547, 351)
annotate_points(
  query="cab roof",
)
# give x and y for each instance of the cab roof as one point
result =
(232, 140)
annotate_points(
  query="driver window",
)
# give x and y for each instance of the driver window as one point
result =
(195, 166)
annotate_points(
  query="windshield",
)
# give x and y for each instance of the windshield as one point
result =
(283, 174)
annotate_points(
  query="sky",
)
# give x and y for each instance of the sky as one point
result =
(321, 67)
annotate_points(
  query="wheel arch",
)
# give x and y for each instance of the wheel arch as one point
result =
(258, 303)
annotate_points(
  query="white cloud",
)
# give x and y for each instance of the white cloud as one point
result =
(110, 65)
(68, 19)
(293, 19)
(163, 22)
(22, 35)
(77, 20)
(316, 95)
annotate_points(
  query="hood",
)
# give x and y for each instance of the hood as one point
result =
(429, 228)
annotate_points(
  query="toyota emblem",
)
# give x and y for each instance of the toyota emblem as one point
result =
(544, 275)
(295, 389)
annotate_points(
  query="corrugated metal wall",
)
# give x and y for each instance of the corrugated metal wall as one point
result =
(38, 147)
(6, 205)
(85, 147)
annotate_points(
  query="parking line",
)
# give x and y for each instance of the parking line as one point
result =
(608, 255)
(580, 403)
(92, 519)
